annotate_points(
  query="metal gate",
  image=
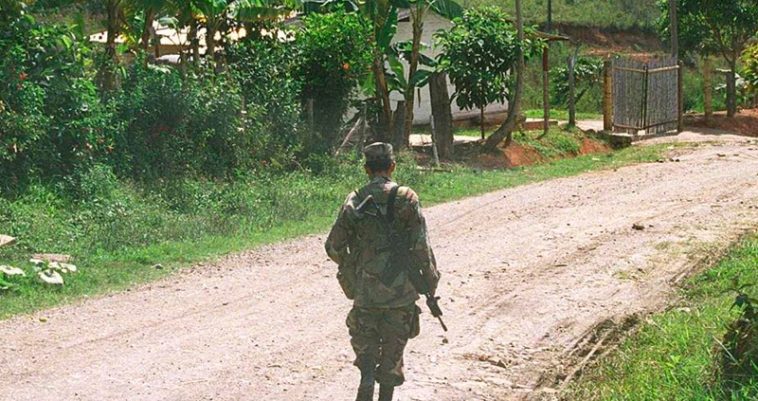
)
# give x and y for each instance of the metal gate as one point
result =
(646, 96)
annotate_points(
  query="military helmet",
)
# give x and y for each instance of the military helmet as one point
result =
(379, 151)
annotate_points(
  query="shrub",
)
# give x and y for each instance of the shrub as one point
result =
(334, 52)
(178, 125)
(750, 69)
(263, 70)
(51, 118)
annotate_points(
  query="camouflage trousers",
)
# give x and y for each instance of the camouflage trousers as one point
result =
(379, 336)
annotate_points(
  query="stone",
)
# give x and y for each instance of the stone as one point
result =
(11, 271)
(51, 277)
(52, 257)
(6, 240)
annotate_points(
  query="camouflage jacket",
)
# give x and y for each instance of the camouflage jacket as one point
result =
(358, 244)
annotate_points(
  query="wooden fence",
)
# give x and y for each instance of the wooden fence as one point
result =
(647, 96)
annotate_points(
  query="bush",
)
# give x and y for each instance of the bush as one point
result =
(263, 70)
(334, 52)
(178, 125)
(51, 118)
(750, 69)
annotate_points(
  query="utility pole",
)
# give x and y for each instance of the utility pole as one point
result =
(674, 28)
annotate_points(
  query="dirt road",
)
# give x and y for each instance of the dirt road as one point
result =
(532, 276)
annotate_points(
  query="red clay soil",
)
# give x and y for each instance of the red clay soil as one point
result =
(744, 123)
(590, 146)
(517, 155)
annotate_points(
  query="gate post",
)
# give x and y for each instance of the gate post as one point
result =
(607, 96)
(680, 97)
(645, 93)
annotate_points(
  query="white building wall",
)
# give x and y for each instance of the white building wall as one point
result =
(422, 110)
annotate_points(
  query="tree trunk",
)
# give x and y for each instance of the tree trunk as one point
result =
(107, 75)
(383, 92)
(481, 122)
(443, 118)
(194, 43)
(674, 28)
(147, 27)
(397, 133)
(572, 90)
(410, 91)
(210, 41)
(708, 88)
(731, 88)
(514, 108)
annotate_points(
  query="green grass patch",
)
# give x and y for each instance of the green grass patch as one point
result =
(117, 231)
(562, 115)
(674, 356)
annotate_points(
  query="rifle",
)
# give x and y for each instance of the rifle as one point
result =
(401, 258)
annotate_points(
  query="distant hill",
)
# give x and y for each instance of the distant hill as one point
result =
(605, 14)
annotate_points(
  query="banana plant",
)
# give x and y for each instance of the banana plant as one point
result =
(419, 9)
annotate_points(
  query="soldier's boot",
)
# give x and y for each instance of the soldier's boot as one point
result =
(385, 392)
(366, 388)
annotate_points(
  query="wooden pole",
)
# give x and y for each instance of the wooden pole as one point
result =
(680, 98)
(572, 91)
(545, 90)
(645, 90)
(435, 154)
(708, 88)
(674, 28)
(607, 96)
(481, 122)
(549, 16)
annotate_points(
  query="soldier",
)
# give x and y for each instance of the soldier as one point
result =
(384, 314)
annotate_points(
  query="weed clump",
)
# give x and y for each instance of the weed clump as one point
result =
(739, 350)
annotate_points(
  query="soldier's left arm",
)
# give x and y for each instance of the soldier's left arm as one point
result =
(415, 224)
(338, 241)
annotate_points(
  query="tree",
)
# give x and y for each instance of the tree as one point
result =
(418, 10)
(333, 54)
(478, 52)
(722, 27)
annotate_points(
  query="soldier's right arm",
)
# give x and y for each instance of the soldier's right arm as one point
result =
(421, 249)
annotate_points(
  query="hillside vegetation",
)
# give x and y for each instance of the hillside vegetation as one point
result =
(613, 14)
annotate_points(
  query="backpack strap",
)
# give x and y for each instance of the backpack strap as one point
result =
(391, 204)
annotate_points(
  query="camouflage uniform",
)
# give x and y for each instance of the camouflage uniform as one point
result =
(383, 318)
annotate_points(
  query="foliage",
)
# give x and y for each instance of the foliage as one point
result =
(739, 350)
(334, 54)
(717, 27)
(750, 68)
(51, 118)
(264, 71)
(588, 75)
(478, 52)
(178, 125)
(712, 27)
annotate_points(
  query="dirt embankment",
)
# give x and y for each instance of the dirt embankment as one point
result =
(744, 123)
(531, 275)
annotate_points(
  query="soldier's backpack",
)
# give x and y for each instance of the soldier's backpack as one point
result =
(381, 222)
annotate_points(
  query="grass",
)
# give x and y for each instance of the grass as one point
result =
(673, 356)
(117, 231)
(562, 115)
